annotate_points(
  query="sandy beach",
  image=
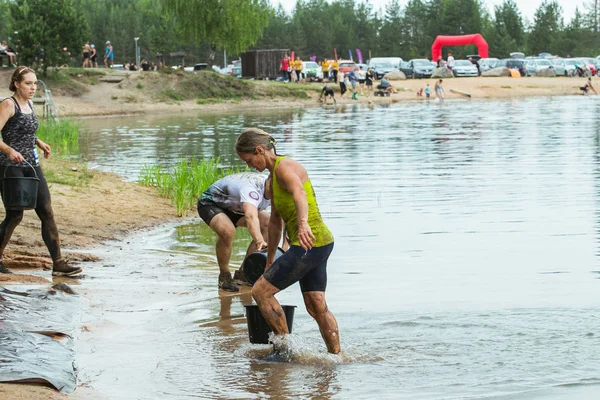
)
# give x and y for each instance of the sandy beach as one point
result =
(104, 207)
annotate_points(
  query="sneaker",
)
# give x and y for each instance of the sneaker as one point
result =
(3, 269)
(61, 267)
(226, 283)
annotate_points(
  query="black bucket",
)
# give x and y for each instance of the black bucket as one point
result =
(254, 264)
(258, 329)
(20, 192)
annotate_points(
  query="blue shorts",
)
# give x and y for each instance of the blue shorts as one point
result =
(297, 265)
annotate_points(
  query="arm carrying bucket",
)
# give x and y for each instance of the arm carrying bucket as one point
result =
(20, 192)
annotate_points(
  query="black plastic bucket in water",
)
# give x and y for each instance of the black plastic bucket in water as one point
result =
(254, 264)
(258, 329)
(20, 192)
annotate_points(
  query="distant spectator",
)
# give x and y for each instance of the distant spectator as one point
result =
(109, 55)
(352, 78)
(87, 50)
(427, 91)
(334, 70)
(285, 68)
(94, 57)
(132, 67)
(362, 77)
(144, 65)
(369, 79)
(325, 68)
(440, 62)
(6, 51)
(341, 78)
(450, 61)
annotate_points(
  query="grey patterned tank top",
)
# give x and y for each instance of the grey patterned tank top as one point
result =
(19, 133)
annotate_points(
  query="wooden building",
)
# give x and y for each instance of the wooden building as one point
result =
(263, 64)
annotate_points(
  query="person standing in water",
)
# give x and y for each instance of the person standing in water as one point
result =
(19, 158)
(293, 203)
(439, 90)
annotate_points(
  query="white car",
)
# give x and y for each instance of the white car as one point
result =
(536, 65)
(312, 71)
(464, 68)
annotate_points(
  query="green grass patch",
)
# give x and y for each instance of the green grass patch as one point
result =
(63, 136)
(506, 87)
(185, 182)
(172, 94)
(139, 86)
(63, 174)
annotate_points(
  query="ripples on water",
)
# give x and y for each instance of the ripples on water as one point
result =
(466, 259)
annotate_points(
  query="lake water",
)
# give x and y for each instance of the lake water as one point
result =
(466, 262)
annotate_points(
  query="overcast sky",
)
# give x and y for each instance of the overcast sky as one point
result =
(527, 7)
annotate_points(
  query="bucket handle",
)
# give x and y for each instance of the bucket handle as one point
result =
(26, 162)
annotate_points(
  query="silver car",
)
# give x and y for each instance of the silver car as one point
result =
(464, 68)
(485, 64)
(536, 65)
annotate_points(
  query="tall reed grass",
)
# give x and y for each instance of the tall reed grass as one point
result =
(186, 181)
(62, 136)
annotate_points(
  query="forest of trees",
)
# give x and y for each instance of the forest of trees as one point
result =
(404, 28)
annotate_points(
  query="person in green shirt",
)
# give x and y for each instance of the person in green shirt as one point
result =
(293, 202)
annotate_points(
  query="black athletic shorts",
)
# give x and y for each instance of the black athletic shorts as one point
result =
(208, 209)
(297, 265)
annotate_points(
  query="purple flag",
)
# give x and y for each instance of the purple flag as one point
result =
(313, 58)
(359, 55)
(350, 52)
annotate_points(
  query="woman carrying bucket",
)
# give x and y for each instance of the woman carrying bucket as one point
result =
(293, 202)
(19, 159)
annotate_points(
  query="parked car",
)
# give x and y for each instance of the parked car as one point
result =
(381, 68)
(422, 67)
(536, 65)
(407, 69)
(383, 65)
(312, 71)
(346, 65)
(200, 66)
(485, 64)
(464, 68)
(518, 64)
(517, 55)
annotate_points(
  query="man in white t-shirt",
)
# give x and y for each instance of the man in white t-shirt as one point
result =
(233, 201)
(450, 61)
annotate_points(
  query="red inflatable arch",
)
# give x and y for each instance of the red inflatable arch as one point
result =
(441, 41)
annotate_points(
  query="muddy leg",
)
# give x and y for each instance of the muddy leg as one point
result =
(264, 295)
(317, 308)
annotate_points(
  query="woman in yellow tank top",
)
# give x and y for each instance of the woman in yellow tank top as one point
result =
(293, 202)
